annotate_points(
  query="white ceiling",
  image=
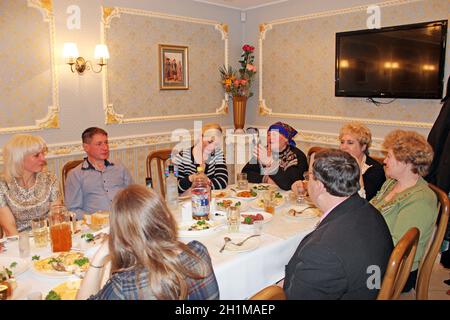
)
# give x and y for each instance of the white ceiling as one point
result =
(241, 4)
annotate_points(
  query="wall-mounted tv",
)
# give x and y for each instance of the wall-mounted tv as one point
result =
(394, 62)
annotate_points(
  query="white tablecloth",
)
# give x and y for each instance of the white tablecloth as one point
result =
(239, 275)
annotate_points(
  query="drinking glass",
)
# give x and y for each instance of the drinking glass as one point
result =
(269, 205)
(24, 244)
(257, 227)
(242, 182)
(233, 219)
(40, 232)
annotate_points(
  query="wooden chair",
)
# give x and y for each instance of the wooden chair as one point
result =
(379, 160)
(161, 156)
(272, 292)
(427, 263)
(65, 171)
(399, 266)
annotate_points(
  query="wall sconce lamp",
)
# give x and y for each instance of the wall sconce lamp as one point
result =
(79, 63)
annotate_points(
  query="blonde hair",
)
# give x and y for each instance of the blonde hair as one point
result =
(360, 132)
(210, 126)
(16, 149)
(144, 235)
(410, 147)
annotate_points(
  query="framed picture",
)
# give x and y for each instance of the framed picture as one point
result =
(173, 67)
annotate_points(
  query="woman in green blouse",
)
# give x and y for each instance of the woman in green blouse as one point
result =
(405, 200)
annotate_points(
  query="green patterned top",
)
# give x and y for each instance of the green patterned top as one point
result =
(413, 207)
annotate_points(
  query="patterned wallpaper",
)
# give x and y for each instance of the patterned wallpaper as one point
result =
(298, 64)
(26, 81)
(133, 69)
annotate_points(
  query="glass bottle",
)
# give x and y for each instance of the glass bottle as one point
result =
(201, 196)
(172, 189)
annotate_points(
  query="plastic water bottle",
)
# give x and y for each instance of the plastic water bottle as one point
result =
(200, 192)
(172, 189)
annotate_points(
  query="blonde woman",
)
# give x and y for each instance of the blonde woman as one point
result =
(207, 152)
(405, 200)
(147, 260)
(26, 192)
(355, 138)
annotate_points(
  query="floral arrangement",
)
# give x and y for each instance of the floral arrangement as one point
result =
(238, 83)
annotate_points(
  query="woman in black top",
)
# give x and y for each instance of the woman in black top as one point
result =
(281, 163)
(355, 138)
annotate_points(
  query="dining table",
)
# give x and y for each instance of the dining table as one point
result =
(239, 273)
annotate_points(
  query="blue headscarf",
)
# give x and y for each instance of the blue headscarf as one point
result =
(286, 130)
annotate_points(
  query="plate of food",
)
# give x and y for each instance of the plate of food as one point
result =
(301, 212)
(258, 204)
(61, 264)
(261, 187)
(88, 240)
(248, 245)
(225, 203)
(198, 228)
(65, 291)
(13, 266)
(220, 193)
(246, 195)
(247, 218)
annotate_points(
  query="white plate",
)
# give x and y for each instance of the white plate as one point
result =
(249, 245)
(261, 187)
(22, 264)
(183, 229)
(267, 217)
(219, 194)
(307, 214)
(243, 206)
(258, 204)
(244, 198)
(54, 273)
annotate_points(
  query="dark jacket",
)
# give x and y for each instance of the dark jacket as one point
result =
(373, 178)
(283, 178)
(332, 261)
(439, 139)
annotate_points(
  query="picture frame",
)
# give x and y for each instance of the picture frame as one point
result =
(173, 67)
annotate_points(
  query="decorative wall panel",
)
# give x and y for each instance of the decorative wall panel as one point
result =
(297, 57)
(28, 86)
(131, 83)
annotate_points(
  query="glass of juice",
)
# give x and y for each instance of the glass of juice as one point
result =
(60, 229)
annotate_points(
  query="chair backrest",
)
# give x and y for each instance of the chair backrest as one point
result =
(161, 156)
(65, 171)
(272, 292)
(427, 263)
(399, 266)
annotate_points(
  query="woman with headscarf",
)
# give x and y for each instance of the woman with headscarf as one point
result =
(281, 163)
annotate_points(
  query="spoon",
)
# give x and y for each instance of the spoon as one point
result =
(226, 239)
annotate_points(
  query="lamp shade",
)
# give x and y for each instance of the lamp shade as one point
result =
(70, 50)
(101, 52)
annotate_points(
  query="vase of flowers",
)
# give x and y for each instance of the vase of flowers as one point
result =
(237, 84)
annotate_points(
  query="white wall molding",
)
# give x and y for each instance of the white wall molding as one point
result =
(111, 116)
(265, 110)
(51, 119)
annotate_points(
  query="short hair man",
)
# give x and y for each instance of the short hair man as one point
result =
(337, 260)
(92, 185)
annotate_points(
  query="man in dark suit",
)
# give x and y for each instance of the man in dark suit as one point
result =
(346, 256)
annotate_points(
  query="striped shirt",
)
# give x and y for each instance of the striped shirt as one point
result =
(134, 285)
(215, 169)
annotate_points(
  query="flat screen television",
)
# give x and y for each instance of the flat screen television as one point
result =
(394, 62)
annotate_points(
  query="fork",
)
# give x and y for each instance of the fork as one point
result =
(298, 212)
(243, 241)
